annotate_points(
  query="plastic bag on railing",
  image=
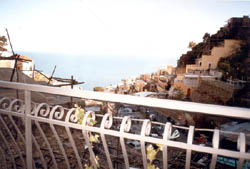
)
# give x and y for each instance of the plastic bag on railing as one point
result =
(175, 134)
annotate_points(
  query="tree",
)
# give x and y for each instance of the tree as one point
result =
(191, 44)
(176, 93)
(236, 65)
(206, 37)
(3, 43)
(191, 56)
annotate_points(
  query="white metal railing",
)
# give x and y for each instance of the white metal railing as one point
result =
(24, 149)
(191, 82)
(228, 84)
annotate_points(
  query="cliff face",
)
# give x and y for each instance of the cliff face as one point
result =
(235, 66)
(237, 28)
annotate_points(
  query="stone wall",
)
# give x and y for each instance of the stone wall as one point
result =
(212, 92)
(5, 64)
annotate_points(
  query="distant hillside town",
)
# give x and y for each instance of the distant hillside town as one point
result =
(215, 71)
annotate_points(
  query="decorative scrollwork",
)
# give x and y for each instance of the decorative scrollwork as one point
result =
(70, 117)
(33, 108)
(88, 117)
(42, 109)
(58, 111)
(146, 128)
(17, 105)
(167, 131)
(126, 124)
(5, 102)
(107, 121)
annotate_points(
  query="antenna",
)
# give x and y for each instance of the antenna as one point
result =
(16, 58)
(10, 41)
(51, 77)
(15, 65)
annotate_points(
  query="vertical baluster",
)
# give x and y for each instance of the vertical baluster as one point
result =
(8, 147)
(216, 139)
(145, 131)
(166, 135)
(59, 142)
(39, 151)
(38, 148)
(92, 155)
(86, 136)
(190, 142)
(17, 129)
(22, 138)
(241, 145)
(14, 141)
(36, 112)
(72, 142)
(74, 147)
(47, 143)
(28, 129)
(125, 127)
(4, 158)
(106, 124)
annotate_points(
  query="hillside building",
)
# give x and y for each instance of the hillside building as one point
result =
(26, 66)
(210, 62)
(205, 67)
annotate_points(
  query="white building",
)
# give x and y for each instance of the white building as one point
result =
(26, 66)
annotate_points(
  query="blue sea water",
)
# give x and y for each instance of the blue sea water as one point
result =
(96, 70)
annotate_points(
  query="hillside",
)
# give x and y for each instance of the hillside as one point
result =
(234, 67)
(5, 74)
(237, 28)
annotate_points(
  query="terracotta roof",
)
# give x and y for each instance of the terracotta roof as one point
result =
(25, 57)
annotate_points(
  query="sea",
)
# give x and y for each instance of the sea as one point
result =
(96, 70)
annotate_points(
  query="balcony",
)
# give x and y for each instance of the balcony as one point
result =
(42, 135)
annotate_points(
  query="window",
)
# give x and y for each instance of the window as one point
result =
(209, 65)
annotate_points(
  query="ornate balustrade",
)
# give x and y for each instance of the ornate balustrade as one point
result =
(38, 135)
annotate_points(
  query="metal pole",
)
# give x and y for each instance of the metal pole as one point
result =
(28, 129)
(52, 74)
(33, 74)
(72, 81)
(9, 41)
(13, 72)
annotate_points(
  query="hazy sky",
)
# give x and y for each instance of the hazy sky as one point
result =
(131, 28)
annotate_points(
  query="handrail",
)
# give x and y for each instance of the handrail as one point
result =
(42, 122)
(227, 111)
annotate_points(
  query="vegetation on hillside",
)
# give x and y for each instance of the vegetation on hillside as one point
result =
(196, 52)
(236, 66)
(237, 29)
(190, 56)
(3, 43)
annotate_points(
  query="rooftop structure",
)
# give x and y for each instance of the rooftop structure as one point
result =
(25, 66)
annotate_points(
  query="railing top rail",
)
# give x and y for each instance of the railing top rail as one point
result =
(234, 112)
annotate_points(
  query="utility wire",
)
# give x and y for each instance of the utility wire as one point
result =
(91, 11)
